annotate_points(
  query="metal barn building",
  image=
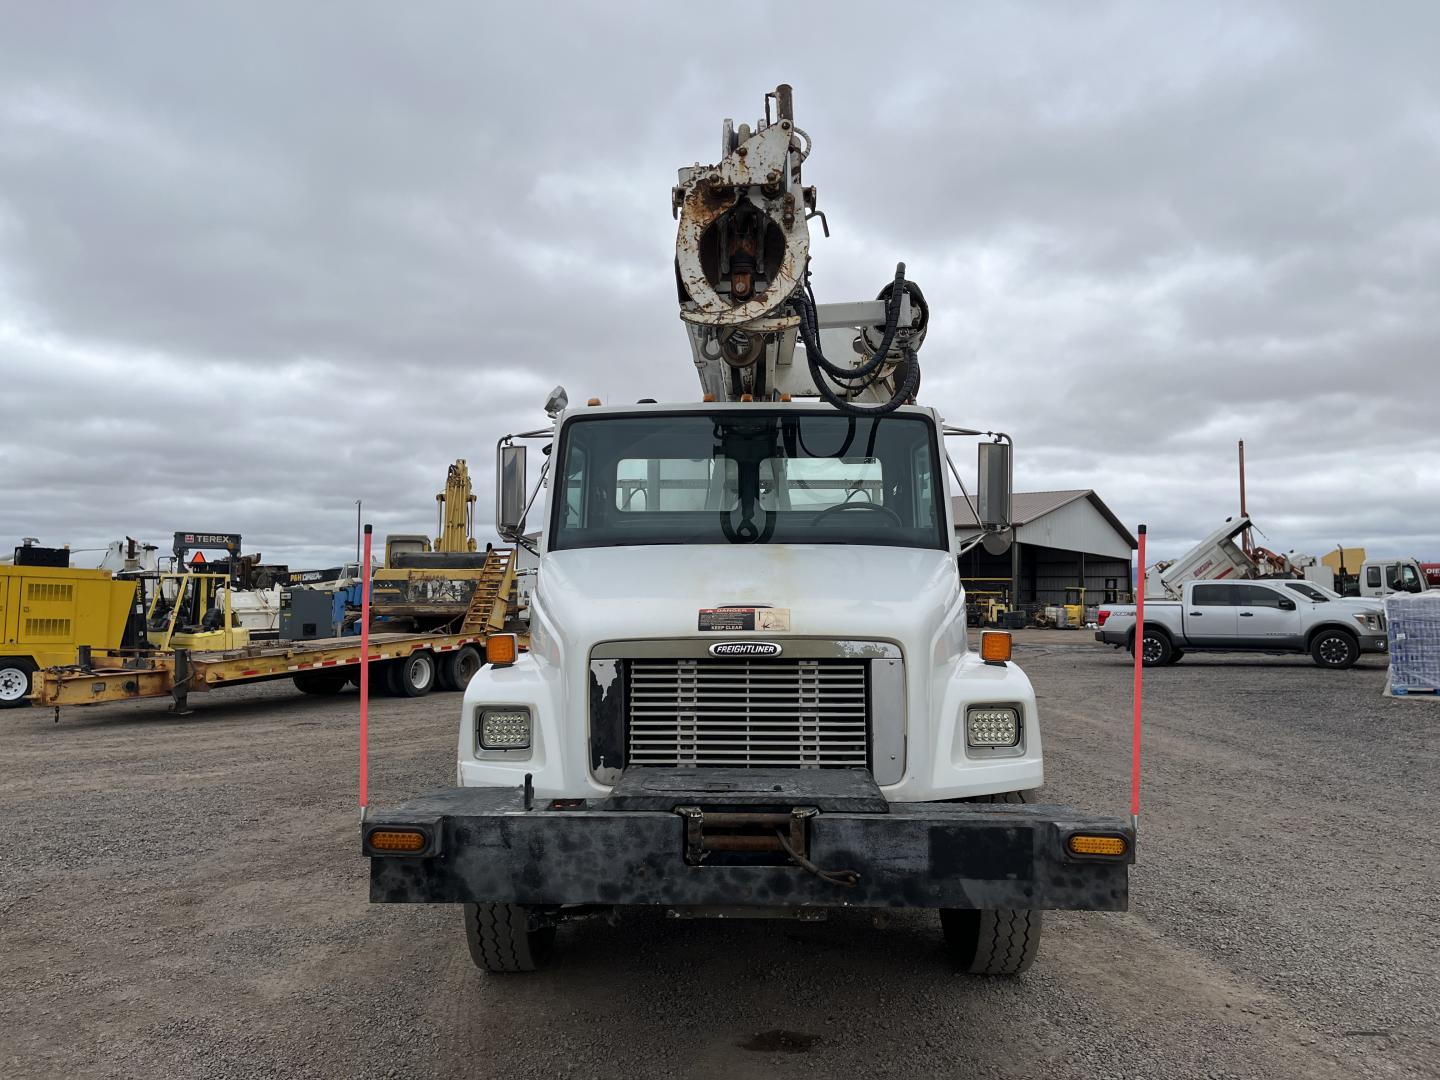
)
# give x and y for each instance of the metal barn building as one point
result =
(1064, 540)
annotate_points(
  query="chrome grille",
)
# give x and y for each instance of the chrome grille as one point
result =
(745, 713)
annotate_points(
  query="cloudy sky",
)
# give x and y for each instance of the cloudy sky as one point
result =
(255, 266)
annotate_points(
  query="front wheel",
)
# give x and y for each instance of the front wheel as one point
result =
(508, 937)
(999, 941)
(1334, 649)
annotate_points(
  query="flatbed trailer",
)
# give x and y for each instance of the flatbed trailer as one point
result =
(119, 675)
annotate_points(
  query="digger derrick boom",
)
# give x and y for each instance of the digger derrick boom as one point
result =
(742, 255)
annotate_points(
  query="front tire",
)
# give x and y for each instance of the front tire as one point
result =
(15, 683)
(507, 938)
(992, 941)
(1335, 649)
(999, 941)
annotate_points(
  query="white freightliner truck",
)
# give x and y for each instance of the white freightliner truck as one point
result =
(748, 689)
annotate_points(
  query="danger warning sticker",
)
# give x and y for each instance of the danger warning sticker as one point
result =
(729, 619)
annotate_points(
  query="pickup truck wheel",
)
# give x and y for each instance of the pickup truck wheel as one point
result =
(456, 669)
(413, 676)
(15, 682)
(1002, 941)
(507, 937)
(1334, 649)
(323, 683)
(1176, 655)
(1157, 649)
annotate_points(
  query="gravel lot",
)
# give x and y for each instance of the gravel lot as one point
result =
(184, 898)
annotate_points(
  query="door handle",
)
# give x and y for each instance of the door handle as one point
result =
(1247, 614)
(1197, 613)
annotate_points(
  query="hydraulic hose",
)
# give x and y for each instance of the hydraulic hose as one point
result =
(823, 372)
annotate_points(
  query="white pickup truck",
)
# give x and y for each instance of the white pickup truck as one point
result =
(1258, 616)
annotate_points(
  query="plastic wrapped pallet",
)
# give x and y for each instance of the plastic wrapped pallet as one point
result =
(1414, 621)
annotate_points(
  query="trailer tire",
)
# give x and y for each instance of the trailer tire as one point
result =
(15, 681)
(506, 938)
(1334, 649)
(456, 669)
(321, 683)
(999, 941)
(414, 676)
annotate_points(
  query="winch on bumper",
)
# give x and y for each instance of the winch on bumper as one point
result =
(744, 837)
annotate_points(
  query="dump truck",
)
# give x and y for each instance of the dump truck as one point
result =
(749, 689)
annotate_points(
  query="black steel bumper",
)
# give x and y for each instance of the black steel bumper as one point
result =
(648, 845)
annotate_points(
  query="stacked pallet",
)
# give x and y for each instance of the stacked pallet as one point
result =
(1414, 620)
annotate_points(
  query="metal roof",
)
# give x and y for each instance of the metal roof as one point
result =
(1031, 506)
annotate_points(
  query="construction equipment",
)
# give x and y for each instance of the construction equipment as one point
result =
(49, 611)
(752, 693)
(429, 586)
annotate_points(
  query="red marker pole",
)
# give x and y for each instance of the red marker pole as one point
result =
(1139, 685)
(365, 678)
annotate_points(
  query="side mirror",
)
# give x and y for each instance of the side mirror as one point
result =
(993, 496)
(1286, 605)
(510, 478)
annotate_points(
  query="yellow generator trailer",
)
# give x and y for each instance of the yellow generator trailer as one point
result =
(47, 613)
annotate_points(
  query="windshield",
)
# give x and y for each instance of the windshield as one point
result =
(1310, 592)
(755, 477)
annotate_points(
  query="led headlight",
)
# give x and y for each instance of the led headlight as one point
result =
(1370, 621)
(504, 729)
(992, 725)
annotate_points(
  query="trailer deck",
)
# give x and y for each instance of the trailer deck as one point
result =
(117, 675)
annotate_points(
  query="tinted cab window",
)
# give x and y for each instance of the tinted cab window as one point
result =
(1214, 596)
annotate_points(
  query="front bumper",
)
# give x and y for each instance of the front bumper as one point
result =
(639, 847)
(1375, 642)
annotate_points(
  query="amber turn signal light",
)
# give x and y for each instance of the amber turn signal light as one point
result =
(501, 649)
(995, 646)
(398, 840)
(1080, 844)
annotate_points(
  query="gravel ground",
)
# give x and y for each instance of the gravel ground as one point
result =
(184, 898)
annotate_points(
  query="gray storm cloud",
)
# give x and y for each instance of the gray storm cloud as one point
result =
(259, 261)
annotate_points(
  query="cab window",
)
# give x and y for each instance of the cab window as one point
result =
(1213, 596)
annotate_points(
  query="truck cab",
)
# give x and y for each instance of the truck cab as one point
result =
(748, 692)
(1382, 577)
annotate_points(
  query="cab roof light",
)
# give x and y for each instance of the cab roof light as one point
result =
(995, 646)
(501, 649)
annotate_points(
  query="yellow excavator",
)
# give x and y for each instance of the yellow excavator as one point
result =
(432, 586)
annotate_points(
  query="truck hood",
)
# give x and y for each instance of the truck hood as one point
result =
(904, 595)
